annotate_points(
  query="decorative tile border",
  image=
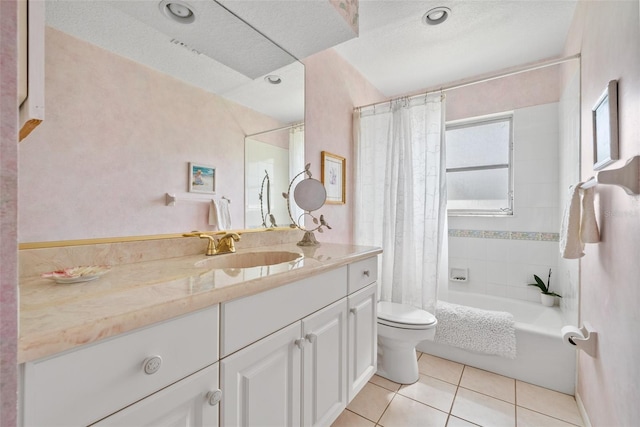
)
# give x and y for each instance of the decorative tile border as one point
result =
(506, 235)
(496, 235)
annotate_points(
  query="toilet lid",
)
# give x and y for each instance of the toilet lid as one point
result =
(404, 314)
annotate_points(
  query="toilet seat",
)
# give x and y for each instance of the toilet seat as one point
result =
(404, 316)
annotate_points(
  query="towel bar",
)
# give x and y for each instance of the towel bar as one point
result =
(627, 177)
(170, 199)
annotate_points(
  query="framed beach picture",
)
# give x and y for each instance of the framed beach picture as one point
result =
(202, 178)
(334, 173)
(605, 127)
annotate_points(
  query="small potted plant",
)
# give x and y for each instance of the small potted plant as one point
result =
(547, 298)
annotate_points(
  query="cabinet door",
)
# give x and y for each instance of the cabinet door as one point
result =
(262, 384)
(363, 338)
(324, 362)
(184, 404)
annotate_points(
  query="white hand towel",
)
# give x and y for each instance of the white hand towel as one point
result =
(571, 246)
(219, 215)
(213, 215)
(224, 216)
(589, 232)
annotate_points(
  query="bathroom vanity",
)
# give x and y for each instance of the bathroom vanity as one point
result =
(287, 344)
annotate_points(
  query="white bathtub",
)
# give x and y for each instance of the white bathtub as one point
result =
(542, 358)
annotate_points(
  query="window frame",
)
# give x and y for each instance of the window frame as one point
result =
(477, 121)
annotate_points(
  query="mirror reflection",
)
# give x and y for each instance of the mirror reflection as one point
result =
(228, 58)
(216, 52)
(272, 159)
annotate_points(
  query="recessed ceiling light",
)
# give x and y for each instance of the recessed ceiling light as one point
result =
(273, 79)
(436, 16)
(178, 11)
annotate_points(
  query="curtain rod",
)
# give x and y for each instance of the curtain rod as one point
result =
(531, 67)
(276, 129)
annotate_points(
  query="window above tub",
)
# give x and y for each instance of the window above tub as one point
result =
(479, 165)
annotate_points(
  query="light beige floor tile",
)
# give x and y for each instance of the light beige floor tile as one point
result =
(350, 419)
(442, 369)
(548, 402)
(431, 391)
(457, 422)
(418, 354)
(383, 382)
(484, 410)
(404, 412)
(527, 418)
(371, 402)
(488, 383)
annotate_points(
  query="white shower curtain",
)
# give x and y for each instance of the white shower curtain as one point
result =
(400, 197)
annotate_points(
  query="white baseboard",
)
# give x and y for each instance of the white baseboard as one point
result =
(583, 412)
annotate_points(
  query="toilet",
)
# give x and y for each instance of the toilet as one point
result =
(400, 328)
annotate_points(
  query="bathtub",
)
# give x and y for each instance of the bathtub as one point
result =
(542, 357)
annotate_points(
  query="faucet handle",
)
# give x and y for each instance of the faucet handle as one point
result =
(211, 245)
(234, 236)
(226, 243)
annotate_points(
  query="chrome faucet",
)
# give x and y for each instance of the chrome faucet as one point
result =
(226, 243)
(211, 246)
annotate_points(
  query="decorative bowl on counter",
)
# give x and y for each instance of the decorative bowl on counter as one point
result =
(77, 274)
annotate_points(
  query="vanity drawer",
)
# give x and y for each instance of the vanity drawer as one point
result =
(81, 386)
(246, 320)
(362, 273)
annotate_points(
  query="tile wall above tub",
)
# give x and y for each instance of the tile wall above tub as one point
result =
(502, 263)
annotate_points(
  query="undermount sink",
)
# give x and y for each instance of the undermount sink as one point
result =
(248, 259)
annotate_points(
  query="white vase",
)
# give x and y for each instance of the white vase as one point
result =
(547, 300)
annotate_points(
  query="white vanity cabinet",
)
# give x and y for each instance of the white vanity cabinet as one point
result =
(263, 383)
(85, 385)
(296, 374)
(316, 347)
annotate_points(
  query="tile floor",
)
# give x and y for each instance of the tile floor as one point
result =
(454, 395)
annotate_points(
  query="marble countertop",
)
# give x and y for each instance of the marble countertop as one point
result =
(57, 317)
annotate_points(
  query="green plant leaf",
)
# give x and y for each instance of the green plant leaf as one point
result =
(553, 293)
(541, 284)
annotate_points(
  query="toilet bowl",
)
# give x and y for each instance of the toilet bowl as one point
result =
(400, 328)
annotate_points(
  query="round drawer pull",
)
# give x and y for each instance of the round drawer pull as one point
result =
(152, 364)
(366, 273)
(214, 397)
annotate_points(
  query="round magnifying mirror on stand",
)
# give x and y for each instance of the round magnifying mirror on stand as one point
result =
(310, 195)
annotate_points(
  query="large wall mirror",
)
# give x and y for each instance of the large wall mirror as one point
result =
(198, 42)
(212, 49)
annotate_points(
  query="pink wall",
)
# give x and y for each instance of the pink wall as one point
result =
(8, 214)
(608, 36)
(332, 89)
(522, 90)
(117, 137)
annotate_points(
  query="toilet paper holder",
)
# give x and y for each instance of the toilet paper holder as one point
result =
(584, 338)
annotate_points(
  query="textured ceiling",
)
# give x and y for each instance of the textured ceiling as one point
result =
(398, 54)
